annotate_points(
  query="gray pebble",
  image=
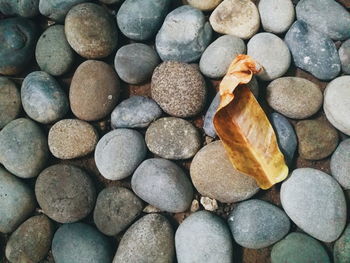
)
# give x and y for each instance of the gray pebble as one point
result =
(340, 164)
(344, 55)
(10, 101)
(341, 250)
(24, 8)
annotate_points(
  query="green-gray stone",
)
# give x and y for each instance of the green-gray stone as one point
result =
(10, 101)
(57, 9)
(341, 252)
(25, 8)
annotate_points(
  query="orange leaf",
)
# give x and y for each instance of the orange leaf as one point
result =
(244, 129)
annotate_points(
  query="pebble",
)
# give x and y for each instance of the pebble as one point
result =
(317, 139)
(57, 9)
(276, 16)
(42, 98)
(18, 38)
(111, 2)
(294, 97)
(80, 243)
(17, 201)
(203, 237)
(10, 101)
(326, 16)
(336, 103)
(119, 153)
(173, 138)
(209, 204)
(344, 55)
(31, 241)
(218, 56)
(136, 62)
(91, 31)
(150, 239)
(116, 208)
(53, 53)
(179, 89)
(214, 176)
(72, 138)
(318, 54)
(184, 35)
(24, 8)
(315, 202)
(298, 247)
(23, 148)
(341, 252)
(65, 193)
(94, 90)
(140, 19)
(236, 17)
(162, 184)
(340, 164)
(135, 112)
(271, 53)
(204, 5)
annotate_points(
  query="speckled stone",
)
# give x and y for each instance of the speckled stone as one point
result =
(24, 8)
(91, 31)
(203, 237)
(344, 55)
(94, 90)
(150, 239)
(31, 241)
(173, 138)
(135, 112)
(80, 243)
(17, 201)
(184, 35)
(23, 148)
(204, 5)
(10, 101)
(179, 89)
(65, 193)
(42, 98)
(340, 164)
(57, 9)
(315, 202)
(163, 184)
(18, 38)
(72, 138)
(116, 208)
(119, 152)
(135, 63)
(318, 56)
(341, 252)
(214, 176)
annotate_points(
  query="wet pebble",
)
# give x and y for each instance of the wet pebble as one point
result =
(344, 55)
(24, 8)
(57, 9)
(341, 252)
(340, 164)
(10, 101)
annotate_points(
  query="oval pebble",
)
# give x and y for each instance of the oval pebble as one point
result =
(340, 164)
(24, 8)
(57, 9)
(341, 252)
(344, 55)
(204, 5)
(10, 101)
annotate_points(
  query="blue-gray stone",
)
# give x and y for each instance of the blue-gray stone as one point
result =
(24, 8)
(135, 112)
(184, 35)
(141, 19)
(111, 2)
(57, 9)
(80, 243)
(318, 54)
(326, 16)
(257, 224)
(10, 101)
(17, 201)
(341, 252)
(344, 55)
(23, 148)
(203, 237)
(340, 164)
(42, 98)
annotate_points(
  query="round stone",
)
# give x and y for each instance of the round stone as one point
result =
(42, 98)
(150, 239)
(205, 5)
(344, 55)
(340, 164)
(135, 63)
(91, 31)
(72, 138)
(184, 35)
(218, 56)
(315, 202)
(17, 201)
(23, 148)
(271, 53)
(31, 241)
(236, 17)
(10, 101)
(116, 208)
(24, 8)
(341, 252)
(173, 138)
(53, 53)
(65, 193)
(179, 89)
(294, 97)
(214, 176)
(153, 181)
(119, 152)
(94, 90)
(57, 9)
(336, 103)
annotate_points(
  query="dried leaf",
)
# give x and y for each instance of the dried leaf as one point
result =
(244, 129)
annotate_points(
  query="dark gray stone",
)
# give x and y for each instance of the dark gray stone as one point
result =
(57, 9)
(24, 8)
(341, 252)
(344, 55)
(10, 101)
(340, 164)
(111, 2)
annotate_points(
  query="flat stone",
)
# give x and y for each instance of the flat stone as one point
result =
(341, 252)
(24, 8)
(204, 5)
(315, 202)
(340, 164)
(344, 55)
(203, 237)
(57, 9)
(153, 181)
(10, 101)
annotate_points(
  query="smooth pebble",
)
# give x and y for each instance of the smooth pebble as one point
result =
(340, 164)
(57, 9)
(344, 55)
(341, 249)
(10, 101)
(24, 8)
